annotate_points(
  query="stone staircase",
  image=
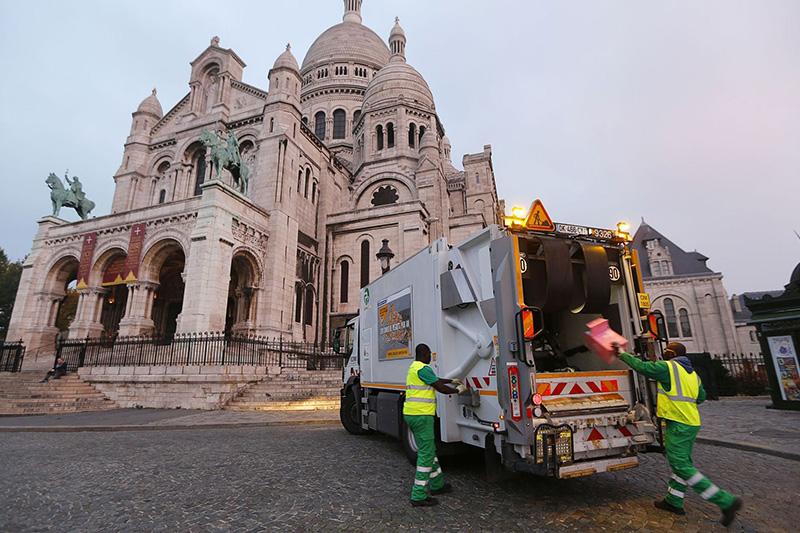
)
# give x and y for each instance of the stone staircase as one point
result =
(22, 394)
(292, 390)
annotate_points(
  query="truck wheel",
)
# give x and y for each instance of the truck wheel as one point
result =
(350, 414)
(409, 444)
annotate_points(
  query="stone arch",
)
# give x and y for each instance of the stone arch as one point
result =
(405, 188)
(104, 257)
(158, 249)
(60, 273)
(243, 291)
(59, 304)
(162, 270)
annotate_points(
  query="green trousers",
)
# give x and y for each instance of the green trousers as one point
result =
(678, 441)
(429, 473)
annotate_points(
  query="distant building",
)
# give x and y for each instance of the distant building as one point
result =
(748, 340)
(690, 294)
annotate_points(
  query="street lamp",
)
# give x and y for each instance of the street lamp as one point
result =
(385, 255)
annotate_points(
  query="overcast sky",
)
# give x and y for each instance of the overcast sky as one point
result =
(686, 113)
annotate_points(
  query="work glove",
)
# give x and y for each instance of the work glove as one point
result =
(461, 388)
(456, 382)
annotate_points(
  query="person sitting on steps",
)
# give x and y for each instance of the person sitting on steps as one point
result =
(59, 369)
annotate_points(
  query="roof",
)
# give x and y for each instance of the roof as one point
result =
(683, 263)
(345, 42)
(741, 313)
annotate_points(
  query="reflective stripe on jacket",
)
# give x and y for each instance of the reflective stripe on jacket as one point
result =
(679, 403)
(420, 398)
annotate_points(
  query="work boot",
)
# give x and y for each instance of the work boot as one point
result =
(427, 502)
(729, 514)
(447, 487)
(664, 505)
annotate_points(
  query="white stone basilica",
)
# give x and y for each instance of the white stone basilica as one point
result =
(342, 153)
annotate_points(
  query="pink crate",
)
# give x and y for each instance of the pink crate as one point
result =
(600, 337)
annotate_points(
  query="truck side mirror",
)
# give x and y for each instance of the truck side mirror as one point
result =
(530, 323)
(657, 326)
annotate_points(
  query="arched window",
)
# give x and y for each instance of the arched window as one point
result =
(200, 171)
(385, 195)
(421, 133)
(364, 264)
(308, 317)
(271, 124)
(686, 326)
(356, 117)
(672, 320)
(299, 180)
(339, 124)
(379, 136)
(298, 303)
(319, 125)
(314, 192)
(308, 179)
(305, 121)
(412, 135)
(344, 284)
(390, 135)
(162, 196)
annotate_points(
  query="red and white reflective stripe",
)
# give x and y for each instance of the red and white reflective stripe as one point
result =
(479, 383)
(568, 388)
(513, 392)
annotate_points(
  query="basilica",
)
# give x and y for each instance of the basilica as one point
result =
(260, 210)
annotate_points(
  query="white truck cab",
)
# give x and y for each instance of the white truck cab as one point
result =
(505, 311)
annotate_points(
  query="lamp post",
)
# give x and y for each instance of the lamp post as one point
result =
(385, 255)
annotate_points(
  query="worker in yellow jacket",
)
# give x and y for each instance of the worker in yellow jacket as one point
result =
(679, 392)
(419, 411)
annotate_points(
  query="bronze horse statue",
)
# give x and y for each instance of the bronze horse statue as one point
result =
(225, 155)
(73, 197)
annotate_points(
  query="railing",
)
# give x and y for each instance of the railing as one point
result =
(741, 374)
(11, 356)
(202, 349)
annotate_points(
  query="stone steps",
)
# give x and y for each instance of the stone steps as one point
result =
(291, 391)
(22, 394)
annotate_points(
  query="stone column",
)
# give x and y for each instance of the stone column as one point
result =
(87, 319)
(138, 319)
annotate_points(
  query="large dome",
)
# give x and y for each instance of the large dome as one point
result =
(345, 42)
(395, 80)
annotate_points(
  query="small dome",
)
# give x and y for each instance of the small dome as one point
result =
(286, 60)
(345, 42)
(428, 140)
(395, 80)
(151, 105)
(397, 30)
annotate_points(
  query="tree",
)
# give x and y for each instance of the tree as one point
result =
(10, 273)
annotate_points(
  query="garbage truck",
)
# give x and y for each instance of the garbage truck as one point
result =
(505, 311)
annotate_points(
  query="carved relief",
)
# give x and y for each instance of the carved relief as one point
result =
(249, 235)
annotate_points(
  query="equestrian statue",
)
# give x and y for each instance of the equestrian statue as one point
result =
(73, 197)
(225, 154)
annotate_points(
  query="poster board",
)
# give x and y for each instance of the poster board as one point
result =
(395, 327)
(784, 356)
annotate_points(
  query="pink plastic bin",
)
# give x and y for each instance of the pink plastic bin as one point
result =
(600, 337)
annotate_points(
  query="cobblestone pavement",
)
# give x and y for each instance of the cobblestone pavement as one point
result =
(747, 420)
(319, 478)
(176, 418)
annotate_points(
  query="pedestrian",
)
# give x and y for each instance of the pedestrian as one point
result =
(419, 411)
(679, 392)
(59, 369)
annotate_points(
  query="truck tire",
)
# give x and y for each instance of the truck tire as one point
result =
(408, 443)
(350, 414)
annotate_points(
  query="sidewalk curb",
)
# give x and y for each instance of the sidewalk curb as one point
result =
(749, 448)
(165, 427)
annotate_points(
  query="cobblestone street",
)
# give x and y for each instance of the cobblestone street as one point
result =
(322, 479)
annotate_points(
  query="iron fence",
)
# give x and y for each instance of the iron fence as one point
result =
(739, 374)
(202, 349)
(11, 356)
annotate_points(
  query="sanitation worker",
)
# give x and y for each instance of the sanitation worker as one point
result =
(679, 392)
(419, 411)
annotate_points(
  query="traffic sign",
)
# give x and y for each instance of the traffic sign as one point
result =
(538, 219)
